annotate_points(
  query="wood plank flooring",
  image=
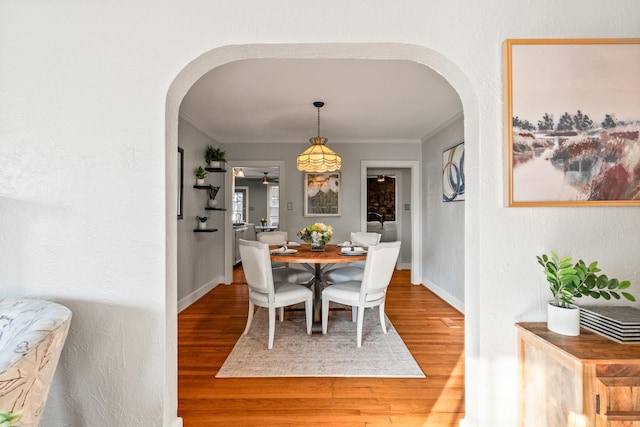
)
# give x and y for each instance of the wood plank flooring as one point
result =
(432, 330)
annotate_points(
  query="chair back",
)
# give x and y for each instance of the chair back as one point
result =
(250, 234)
(365, 238)
(378, 269)
(273, 237)
(256, 264)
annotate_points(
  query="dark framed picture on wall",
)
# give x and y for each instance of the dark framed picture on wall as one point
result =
(573, 122)
(180, 180)
(453, 185)
(322, 194)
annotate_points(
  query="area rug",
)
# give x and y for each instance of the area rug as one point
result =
(296, 354)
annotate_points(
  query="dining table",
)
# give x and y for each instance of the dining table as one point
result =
(316, 262)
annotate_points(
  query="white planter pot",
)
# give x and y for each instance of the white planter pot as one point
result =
(199, 181)
(565, 321)
(212, 203)
(216, 165)
(202, 225)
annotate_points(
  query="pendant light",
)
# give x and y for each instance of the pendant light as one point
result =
(265, 180)
(318, 157)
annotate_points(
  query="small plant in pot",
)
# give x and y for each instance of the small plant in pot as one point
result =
(568, 281)
(201, 174)
(213, 192)
(215, 157)
(202, 222)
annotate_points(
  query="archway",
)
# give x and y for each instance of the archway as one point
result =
(383, 51)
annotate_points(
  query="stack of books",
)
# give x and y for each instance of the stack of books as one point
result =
(621, 324)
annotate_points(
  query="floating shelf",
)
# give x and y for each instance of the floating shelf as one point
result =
(205, 230)
(208, 169)
(215, 209)
(203, 187)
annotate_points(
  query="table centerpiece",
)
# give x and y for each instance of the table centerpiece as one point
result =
(317, 235)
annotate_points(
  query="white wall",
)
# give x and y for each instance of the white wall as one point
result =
(90, 98)
(200, 255)
(443, 246)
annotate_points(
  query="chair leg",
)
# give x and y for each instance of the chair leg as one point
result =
(325, 314)
(359, 325)
(281, 314)
(354, 313)
(272, 326)
(308, 310)
(382, 319)
(249, 318)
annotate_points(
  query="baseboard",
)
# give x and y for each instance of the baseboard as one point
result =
(404, 266)
(199, 293)
(447, 297)
(177, 422)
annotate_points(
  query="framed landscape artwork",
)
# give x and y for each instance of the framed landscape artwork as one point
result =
(322, 194)
(453, 185)
(573, 122)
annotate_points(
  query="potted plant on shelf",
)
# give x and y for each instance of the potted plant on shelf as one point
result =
(215, 157)
(10, 418)
(200, 175)
(568, 281)
(213, 192)
(202, 222)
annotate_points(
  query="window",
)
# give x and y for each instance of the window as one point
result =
(240, 205)
(273, 209)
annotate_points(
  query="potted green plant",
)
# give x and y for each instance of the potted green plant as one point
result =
(8, 419)
(568, 281)
(200, 175)
(202, 222)
(213, 192)
(215, 157)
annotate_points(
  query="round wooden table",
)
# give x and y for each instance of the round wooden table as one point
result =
(317, 262)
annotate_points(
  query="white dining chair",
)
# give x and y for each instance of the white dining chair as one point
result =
(281, 270)
(267, 293)
(371, 291)
(274, 238)
(353, 270)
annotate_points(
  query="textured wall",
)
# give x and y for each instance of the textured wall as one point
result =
(90, 96)
(443, 248)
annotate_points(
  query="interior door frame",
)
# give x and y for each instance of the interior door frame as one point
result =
(416, 206)
(228, 185)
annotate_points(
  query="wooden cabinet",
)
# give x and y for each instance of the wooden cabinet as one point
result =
(587, 380)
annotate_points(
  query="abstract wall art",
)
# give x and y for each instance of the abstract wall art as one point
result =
(453, 184)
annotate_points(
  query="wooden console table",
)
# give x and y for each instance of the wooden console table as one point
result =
(587, 380)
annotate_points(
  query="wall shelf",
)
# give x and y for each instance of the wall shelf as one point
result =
(215, 209)
(204, 230)
(218, 170)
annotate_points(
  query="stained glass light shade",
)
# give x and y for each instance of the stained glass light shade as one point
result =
(318, 157)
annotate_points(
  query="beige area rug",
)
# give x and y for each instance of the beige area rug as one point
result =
(296, 354)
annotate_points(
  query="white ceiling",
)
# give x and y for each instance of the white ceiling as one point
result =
(271, 100)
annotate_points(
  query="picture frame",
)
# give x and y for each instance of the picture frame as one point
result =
(453, 182)
(322, 194)
(572, 122)
(180, 180)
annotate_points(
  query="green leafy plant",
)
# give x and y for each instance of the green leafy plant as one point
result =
(214, 155)
(213, 191)
(202, 218)
(200, 172)
(8, 419)
(568, 280)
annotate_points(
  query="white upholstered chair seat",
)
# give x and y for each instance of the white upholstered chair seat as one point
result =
(291, 275)
(264, 292)
(369, 292)
(354, 270)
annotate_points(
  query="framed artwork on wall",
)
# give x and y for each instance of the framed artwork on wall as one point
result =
(453, 184)
(180, 180)
(322, 194)
(572, 122)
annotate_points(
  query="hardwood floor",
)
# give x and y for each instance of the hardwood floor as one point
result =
(432, 330)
